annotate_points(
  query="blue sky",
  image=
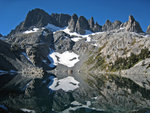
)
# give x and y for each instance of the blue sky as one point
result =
(14, 11)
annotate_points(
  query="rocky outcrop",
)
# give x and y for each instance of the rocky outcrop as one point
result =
(72, 23)
(132, 25)
(82, 25)
(116, 24)
(34, 18)
(94, 27)
(97, 28)
(107, 26)
(36, 45)
(62, 41)
(37, 18)
(111, 26)
(5, 54)
(148, 30)
(60, 20)
(91, 23)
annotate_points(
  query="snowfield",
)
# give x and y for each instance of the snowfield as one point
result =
(27, 110)
(77, 37)
(67, 58)
(31, 31)
(53, 27)
(66, 84)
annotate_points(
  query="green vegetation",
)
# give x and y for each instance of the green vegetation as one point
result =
(97, 59)
(126, 63)
(99, 50)
(121, 63)
(90, 60)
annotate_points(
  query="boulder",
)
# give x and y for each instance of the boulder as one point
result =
(111, 26)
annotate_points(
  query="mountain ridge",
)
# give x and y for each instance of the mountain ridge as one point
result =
(40, 18)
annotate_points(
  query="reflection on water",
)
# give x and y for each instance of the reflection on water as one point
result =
(113, 94)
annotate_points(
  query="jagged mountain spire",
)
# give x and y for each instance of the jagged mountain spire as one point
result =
(39, 18)
(82, 25)
(72, 22)
(91, 23)
(133, 26)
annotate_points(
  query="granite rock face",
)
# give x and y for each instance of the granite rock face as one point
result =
(37, 18)
(72, 23)
(111, 26)
(82, 25)
(97, 28)
(94, 27)
(148, 29)
(91, 23)
(60, 20)
(132, 25)
(34, 18)
(63, 42)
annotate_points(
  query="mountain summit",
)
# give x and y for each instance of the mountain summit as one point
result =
(133, 26)
(39, 18)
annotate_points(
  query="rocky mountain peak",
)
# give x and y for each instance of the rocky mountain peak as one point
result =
(133, 26)
(91, 22)
(148, 29)
(108, 22)
(38, 18)
(107, 26)
(60, 20)
(82, 25)
(131, 19)
(97, 28)
(72, 22)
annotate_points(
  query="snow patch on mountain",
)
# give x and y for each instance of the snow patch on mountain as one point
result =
(66, 84)
(53, 28)
(31, 31)
(27, 110)
(76, 39)
(67, 58)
